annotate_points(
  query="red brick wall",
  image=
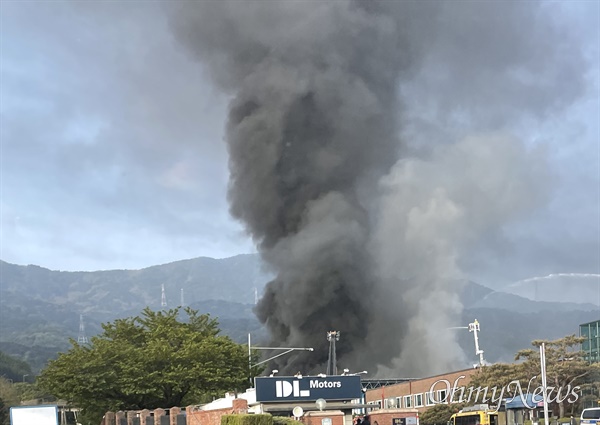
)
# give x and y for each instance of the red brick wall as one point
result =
(419, 386)
(213, 417)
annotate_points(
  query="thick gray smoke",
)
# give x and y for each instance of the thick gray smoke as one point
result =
(313, 125)
(430, 219)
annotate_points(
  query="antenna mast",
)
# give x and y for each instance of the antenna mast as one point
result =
(82, 339)
(163, 298)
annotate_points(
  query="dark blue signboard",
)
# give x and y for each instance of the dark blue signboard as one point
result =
(307, 388)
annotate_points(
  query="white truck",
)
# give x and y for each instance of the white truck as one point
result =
(42, 415)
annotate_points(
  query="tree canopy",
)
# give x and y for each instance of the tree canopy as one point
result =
(439, 414)
(565, 366)
(14, 369)
(565, 370)
(146, 362)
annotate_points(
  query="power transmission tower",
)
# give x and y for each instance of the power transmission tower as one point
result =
(82, 339)
(163, 297)
(332, 337)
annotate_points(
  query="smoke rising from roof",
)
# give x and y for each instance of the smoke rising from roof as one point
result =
(314, 124)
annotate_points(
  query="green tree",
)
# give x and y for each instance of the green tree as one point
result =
(13, 368)
(565, 367)
(31, 393)
(590, 394)
(9, 397)
(499, 377)
(148, 361)
(4, 415)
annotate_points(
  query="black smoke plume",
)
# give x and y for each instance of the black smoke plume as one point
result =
(311, 128)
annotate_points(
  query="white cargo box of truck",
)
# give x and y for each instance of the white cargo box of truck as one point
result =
(34, 415)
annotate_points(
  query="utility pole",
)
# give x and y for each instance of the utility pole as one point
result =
(544, 382)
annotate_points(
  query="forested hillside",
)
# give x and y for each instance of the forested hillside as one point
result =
(40, 309)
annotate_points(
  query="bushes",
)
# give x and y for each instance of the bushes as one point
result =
(284, 420)
(246, 420)
(257, 420)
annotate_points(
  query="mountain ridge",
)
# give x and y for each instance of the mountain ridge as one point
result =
(40, 308)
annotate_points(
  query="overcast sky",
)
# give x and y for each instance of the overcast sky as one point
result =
(112, 154)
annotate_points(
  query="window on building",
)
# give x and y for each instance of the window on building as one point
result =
(399, 402)
(441, 396)
(418, 400)
(407, 401)
(429, 400)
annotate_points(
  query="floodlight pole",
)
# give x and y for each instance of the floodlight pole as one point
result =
(332, 337)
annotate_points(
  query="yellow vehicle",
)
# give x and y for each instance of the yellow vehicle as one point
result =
(475, 415)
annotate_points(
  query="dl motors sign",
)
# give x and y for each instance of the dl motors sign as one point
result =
(307, 388)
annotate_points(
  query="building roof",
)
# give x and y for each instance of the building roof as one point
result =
(370, 384)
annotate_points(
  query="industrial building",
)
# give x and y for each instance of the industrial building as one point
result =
(590, 331)
(421, 393)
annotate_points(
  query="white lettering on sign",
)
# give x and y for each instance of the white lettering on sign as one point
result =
(285, 389)
(323, 384)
